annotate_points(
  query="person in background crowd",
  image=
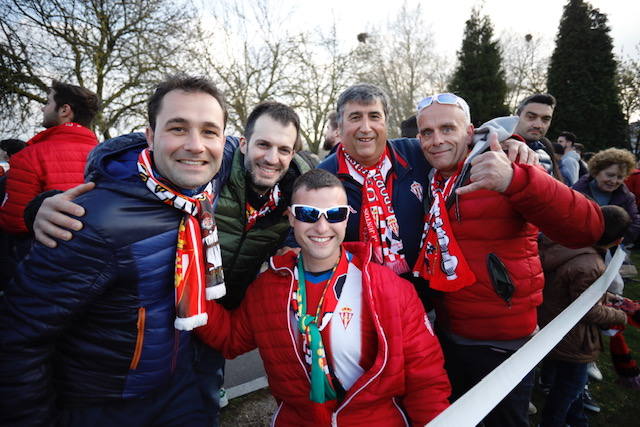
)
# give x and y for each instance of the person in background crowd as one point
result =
(568, 273)
(569, 163)
(8, 147)
(331, 133)
(54, 158)
(633, 183)
(344, 341)
(409, 128)
(479, 246)
(535, 113)
(96, 332)
(584, 169)
(605, 184)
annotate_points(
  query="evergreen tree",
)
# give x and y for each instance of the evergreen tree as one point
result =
(582, 77)
(479, 77)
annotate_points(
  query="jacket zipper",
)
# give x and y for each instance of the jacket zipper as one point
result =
(139, 340)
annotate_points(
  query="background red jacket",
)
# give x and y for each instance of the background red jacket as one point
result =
(54, 159)
(408, 370)
(507, 225)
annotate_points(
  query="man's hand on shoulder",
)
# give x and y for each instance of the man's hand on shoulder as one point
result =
(53, 220)
(489, 171)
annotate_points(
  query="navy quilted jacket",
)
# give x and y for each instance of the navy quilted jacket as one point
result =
(92, 320)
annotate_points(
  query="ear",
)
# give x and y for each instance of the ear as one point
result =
(149, 134)
(243, 145)
(290, 215)
(65, 113)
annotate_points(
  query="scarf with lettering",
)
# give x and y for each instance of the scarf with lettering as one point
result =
(270, 205)
(441, 260)
(198, 273)
(378, 223)
(310, 326)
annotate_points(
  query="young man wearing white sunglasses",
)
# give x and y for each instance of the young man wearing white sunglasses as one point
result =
(344, 341)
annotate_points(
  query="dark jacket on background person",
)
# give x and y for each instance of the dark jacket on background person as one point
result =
(243, 252)
(622, 197)
(91, 322)
(568, 273)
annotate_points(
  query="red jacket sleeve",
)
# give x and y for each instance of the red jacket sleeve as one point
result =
(426, 381)
(23, 184)
(562, 214)
(229, 332)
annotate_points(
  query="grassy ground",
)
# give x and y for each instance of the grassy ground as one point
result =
(619, 404)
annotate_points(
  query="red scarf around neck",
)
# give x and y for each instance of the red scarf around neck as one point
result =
(198, 273)
(441, 260)
(378, 223)
(269, 206)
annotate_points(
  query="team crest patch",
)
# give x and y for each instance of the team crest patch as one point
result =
(416, 189)
(346, 314)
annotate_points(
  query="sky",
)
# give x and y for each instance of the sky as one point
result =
(446, 18)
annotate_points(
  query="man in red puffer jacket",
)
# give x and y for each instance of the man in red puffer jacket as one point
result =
(54, 158)
(345, 341)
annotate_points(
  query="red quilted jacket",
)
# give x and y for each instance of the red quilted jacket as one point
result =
(507, 225)
(54, 159)
(407, 383)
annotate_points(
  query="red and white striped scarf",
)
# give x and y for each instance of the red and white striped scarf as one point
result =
(270, 205)
(378, 223)
(198, 274)
(441, 260)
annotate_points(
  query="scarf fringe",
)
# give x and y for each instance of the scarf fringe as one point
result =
(216, 291)
(399, 266)
(189, 323)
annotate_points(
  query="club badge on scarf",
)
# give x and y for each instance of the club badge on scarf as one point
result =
(378, 223)
(198, 271)
(270, 205)
(441, 260)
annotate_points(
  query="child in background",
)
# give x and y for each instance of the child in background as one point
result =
(568, 273)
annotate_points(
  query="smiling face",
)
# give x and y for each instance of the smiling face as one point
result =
(535, 119)
(269, 152)
(319, 241)
(609, 179)
(188, 138)
(445, 136)
(363, 131)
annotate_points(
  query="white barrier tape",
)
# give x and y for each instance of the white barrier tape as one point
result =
(474, 405)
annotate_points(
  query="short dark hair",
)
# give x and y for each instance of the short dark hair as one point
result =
(279, 112)
(569, 136)
(616, 223)
(539, 98)
(362, 93)
(557, 148)
(12, 146)
(409, 127)
(191, 84)
(316, 179)
(84, 103)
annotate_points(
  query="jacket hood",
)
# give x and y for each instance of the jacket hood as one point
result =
(553, 255)
(360, 250)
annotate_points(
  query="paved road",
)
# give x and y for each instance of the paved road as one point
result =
(244, 374)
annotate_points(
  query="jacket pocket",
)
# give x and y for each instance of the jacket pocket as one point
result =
(500, 278)
(139, 340)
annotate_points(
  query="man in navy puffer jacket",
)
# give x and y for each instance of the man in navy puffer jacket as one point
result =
(87, 332)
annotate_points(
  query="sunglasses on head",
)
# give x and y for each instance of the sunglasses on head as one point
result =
(444, 98)
(312, 214)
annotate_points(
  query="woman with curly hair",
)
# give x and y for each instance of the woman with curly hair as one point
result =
(605, 184)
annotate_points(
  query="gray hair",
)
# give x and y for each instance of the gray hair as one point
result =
(362, 93)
